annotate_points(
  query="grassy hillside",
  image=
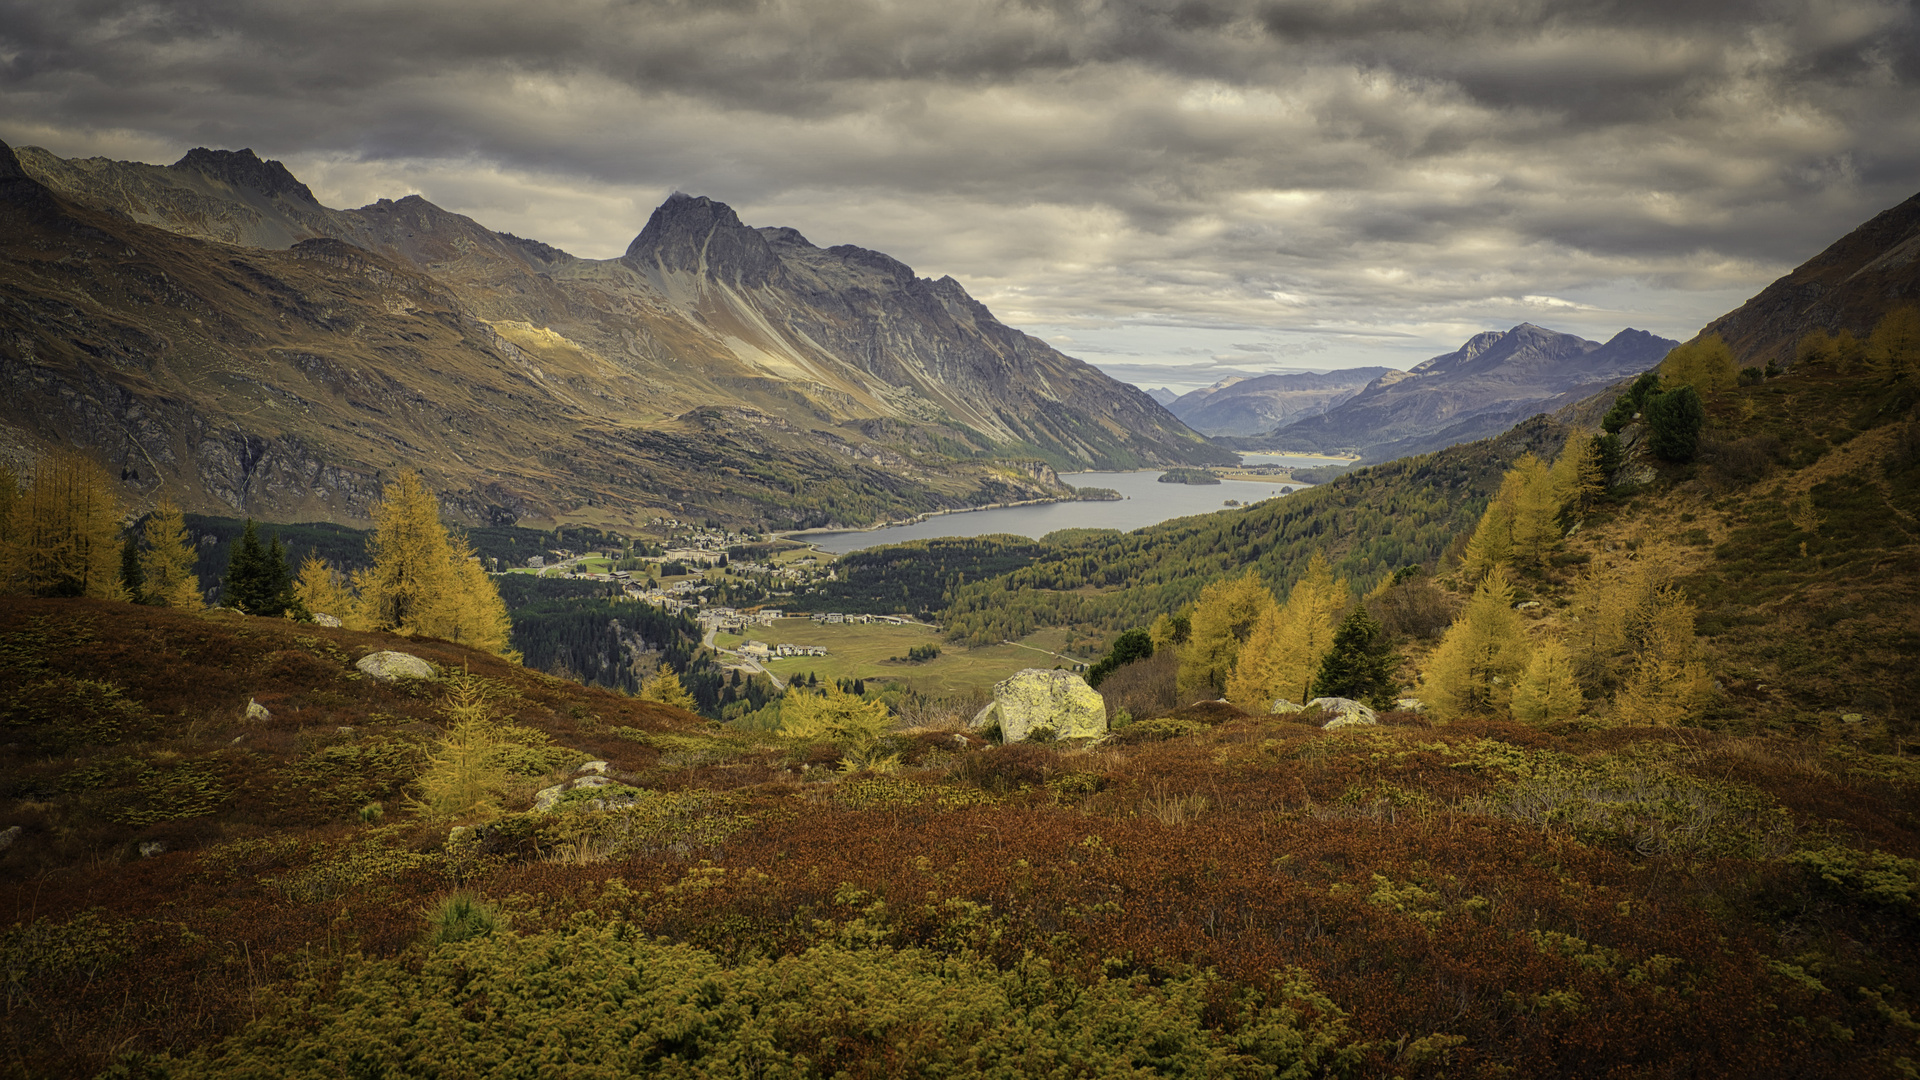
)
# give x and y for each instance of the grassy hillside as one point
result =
(1208, 894)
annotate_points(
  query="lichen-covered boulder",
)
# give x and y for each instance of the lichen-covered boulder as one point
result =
(1410, 704)
(388, 666)
(1058, 701)
(257, 712)
(1283, 707)
(321, 618)
(1346, 712)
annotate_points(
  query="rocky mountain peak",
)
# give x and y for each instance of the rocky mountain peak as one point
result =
(10, 165)
(244, 169)
(695, 234)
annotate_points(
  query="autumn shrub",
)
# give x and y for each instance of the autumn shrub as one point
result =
(527, 1005)
(1143, 688)
(460, 917)
(1010, 768)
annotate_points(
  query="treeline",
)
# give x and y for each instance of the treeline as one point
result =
(918, 577)
(618, 644)
(1368, 523)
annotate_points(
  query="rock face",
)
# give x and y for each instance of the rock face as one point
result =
(389, 666)
(1060, 701)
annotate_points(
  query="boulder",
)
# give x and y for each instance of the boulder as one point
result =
(257, 711)
(1283, 707)
(321, 618)
(1037, 698)
(1410, 704)
(9, 835)
(151, 848)
(389, 666)
(596, 767)
(1346, 711)
(545, 798)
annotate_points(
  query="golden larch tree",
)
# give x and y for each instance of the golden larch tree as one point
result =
(1548, 690)
(1284, 650)
(1222, 619)
(1471, 672)
(663, 687)
(323, 590)
(1706, 364)
(1667, 683)
(166, 566)
(412, 571)
(64, 531)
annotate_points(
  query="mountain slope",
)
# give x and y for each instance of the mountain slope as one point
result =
(1260, 404)
(1501, 376)
(287, 383)
(843, 348)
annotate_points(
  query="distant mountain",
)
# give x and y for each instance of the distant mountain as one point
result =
(1482, 388)
(1249, 406)
(1162, 395)
(216, 330)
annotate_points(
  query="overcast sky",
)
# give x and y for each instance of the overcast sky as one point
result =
(1172, 190)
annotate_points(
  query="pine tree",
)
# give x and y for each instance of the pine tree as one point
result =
(131, 579)
(1674, 420)
(1472, 670)
(166, 565)
(276, 581)
(1223, 617)
(245, 587)
(64, 531)
(663, 687)
(1360, 663)
(1548, 691)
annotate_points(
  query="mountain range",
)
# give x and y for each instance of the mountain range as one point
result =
(210, 328)
(1239, 405)
(1493, 381)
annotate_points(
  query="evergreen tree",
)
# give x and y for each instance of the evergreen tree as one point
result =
(1222, 618)
(1360, 663)
(167, 564)
(1128, 647)
(1471, 673)
(1674, 420)
(276, 580)
(1548, 690)
(246, 586)
(63, 532)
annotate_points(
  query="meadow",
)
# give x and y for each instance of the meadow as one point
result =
(877, 652)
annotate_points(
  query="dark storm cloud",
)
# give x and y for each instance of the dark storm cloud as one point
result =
(1364, 170)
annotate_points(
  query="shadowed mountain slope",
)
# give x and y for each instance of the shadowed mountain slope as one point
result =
(1252, 406)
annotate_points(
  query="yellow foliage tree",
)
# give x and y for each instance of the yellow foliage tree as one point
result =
(1536, 513)
(323, 590)
(63, 531)
(1667, 683)
(1548, 690)
(423, 583)
(1578, 482)
(1225, 615)
(467, 769)
(166, 566)
(1471, 672)
(1894, 347)
(663, 688)
(1706, 364)
(1284, 649)
(852, 723)
(474, 614)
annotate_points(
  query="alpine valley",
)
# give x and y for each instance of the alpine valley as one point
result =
(209, 328)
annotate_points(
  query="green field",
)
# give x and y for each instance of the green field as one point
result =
(865, 652)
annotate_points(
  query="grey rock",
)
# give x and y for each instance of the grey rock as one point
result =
(1038, 698)
(9, 835)
(599, 767)
(547, 797)
(150, 848)
(1410, 704)
(257, 712)
(1283, 707)
(1344, 709)
(388, 666)
(321, 618)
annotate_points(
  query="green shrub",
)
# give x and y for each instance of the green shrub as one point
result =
(461, 917)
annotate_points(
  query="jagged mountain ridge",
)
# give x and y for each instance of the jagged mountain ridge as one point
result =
(708, 310)
(1250, 406)
(1482, 388)
(288, 383)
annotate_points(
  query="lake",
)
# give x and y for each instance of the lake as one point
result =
(1145, 502)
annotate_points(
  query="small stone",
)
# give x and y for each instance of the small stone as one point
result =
(257, 712)
(1283, 707)
(959, 738)
(345, 729)
(236, 740)
(599, 767)
(388, 666)
(9, 835)
(1852, 718)
(459, 833)
(1410, 704)
(321, 618)
(150, 848)
(1344, 709)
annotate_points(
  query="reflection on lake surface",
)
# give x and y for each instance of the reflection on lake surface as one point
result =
(1145, 502)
